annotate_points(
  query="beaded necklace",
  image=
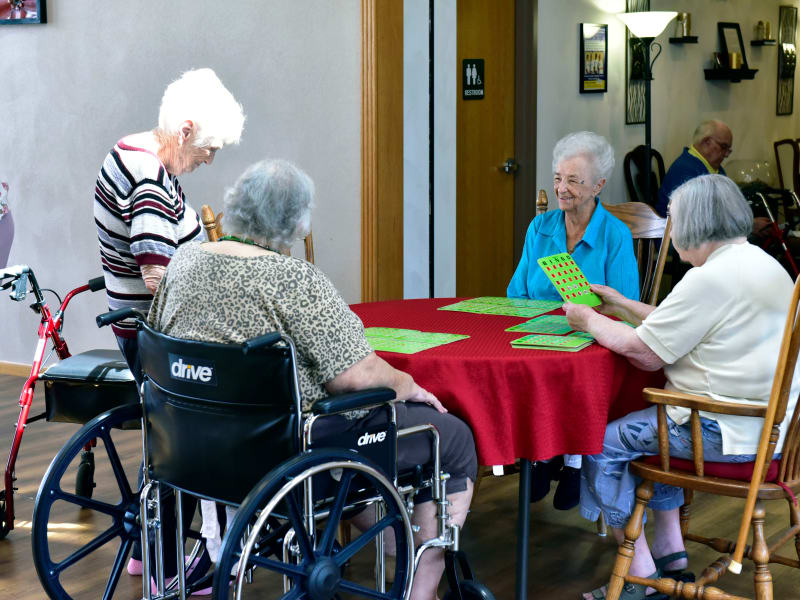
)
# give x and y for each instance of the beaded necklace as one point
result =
(248, 241)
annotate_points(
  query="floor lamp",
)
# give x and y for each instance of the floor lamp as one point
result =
(647, 26)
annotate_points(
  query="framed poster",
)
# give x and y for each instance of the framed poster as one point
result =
(13, 12)
(634, 69)
(593, 58)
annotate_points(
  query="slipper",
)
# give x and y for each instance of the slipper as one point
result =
(632, 591)
(676, 574)
(568, 492)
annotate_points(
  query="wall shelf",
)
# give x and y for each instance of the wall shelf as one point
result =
(732, 75)
(763, 42)
(686, 39)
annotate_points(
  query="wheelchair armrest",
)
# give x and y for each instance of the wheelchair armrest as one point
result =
(353, 401)
(675, 398)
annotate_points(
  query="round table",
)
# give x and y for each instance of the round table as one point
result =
(520, 403)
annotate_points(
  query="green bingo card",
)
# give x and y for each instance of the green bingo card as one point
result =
(562, 343)
(555, 324)
(568, 279)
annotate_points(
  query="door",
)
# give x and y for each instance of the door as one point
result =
(484, 142)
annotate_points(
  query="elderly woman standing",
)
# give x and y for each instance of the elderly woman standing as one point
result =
(717, 334)
(139, 208)
(602, 247)
(141, 213)
(243, 286)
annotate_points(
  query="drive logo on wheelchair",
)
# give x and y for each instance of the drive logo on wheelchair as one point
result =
(371, 438)
(193, 370)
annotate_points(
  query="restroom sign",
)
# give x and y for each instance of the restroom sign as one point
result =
(472, 79)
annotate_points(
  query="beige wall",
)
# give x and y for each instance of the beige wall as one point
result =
(681, 95)
(69, 89)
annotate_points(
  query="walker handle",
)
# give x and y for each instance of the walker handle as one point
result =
(116, 315)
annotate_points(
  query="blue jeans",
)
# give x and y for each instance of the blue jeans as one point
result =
(607, 484)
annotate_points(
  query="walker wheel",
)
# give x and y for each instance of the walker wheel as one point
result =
(84, 478)
(4, 526)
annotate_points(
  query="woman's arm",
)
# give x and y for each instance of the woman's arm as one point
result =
(618, 305)
(372, 371)
(617, 337)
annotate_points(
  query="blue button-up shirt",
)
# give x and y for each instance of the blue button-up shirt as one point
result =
(605, 255)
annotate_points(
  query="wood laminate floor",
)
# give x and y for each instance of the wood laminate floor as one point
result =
(566, 555)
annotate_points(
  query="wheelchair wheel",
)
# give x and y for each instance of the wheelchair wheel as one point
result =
(74, 537)
(470, 590)
(311, 562)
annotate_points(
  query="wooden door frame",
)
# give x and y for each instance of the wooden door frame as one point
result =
(381, 150)
(382, 141)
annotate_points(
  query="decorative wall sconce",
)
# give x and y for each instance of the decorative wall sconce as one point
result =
(787, 59)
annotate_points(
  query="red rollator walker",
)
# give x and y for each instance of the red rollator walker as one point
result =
(77, 388)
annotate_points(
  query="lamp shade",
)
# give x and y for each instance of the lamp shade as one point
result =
(648, 24)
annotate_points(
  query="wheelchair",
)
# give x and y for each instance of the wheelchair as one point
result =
(215, 418)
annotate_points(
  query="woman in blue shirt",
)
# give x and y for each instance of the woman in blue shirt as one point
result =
(602, 247)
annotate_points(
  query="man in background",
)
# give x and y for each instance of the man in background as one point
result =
(711, 144)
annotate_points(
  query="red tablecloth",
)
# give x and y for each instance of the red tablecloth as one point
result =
(530, 404)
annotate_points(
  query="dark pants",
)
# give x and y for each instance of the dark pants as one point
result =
(130, 350)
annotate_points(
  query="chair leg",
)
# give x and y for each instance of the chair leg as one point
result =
(762, 577)
(626, 550)
(688, 496)
(794, 520)
(602, 526)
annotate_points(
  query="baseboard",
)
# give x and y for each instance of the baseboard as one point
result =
(12, 368)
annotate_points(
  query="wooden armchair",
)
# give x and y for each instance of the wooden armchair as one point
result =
(648, 228)
(212, 225)
(764, 479)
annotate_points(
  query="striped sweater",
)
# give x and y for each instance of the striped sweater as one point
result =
(141, 218)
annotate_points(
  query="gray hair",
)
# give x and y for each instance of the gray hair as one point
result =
(706, 129)
(199, 96)
(270, 203)
(589, 144)
(708, 208)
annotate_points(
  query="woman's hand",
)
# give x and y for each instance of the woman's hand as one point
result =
(420, 394)
(612, 299)
(578, 315)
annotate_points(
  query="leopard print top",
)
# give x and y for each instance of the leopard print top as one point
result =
(229, 299)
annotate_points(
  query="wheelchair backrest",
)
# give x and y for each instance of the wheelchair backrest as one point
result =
(218, 417)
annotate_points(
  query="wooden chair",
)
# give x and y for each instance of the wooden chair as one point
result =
(764, 479)
(787, 159)
(212, 225)
(634, 168)
(647, 227)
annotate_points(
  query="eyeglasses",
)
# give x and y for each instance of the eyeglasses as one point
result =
(571, 181)
(723, 147)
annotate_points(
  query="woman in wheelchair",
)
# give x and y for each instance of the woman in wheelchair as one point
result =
(246, 285)
(718, 335)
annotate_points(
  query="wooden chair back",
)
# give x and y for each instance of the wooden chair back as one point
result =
(787, 159)
(541, 203)
(649, 229)
(635, 171)
(213, 226)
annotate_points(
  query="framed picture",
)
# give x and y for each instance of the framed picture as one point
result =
(731, 44)
(20, 12)
(593, 58)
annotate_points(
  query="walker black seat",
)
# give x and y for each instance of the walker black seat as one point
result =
(218, 416)
(80, 387)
